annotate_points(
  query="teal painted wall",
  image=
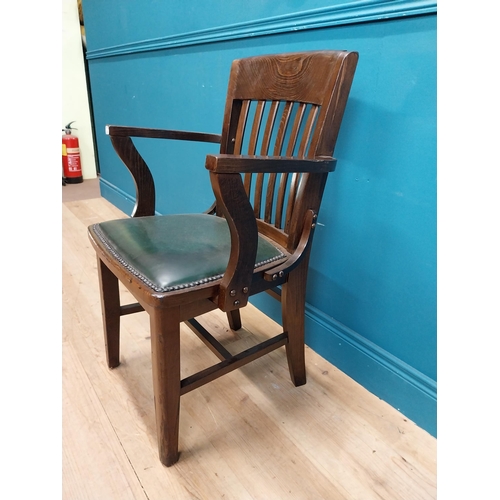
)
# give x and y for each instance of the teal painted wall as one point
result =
(371, 303)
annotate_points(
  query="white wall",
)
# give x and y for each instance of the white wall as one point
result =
(75, 103)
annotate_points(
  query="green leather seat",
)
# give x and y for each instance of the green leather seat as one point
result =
(172, 252)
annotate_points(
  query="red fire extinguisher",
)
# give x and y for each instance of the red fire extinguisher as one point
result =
(72, 169)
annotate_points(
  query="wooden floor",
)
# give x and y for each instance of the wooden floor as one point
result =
(248, 435)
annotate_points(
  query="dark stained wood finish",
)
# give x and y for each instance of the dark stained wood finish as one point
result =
(232, 164)
(228, 365)
(110, 306)
(209, 340)
(126, 150)
(130, 309)
(156, 133)
(234, 319)
(281, 121)
(234, 205)
(144, 183)
(293, 299)
(166, 358)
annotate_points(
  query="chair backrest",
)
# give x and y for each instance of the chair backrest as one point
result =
(286, 105)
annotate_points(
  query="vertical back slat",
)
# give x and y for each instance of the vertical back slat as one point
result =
(271, 118)
(240, 134)
(254, 137)
(291, 200)
(238, 143)
(259, 181)
(271, 182)
(257, 120)
(297, 122)
(247, 183)
(280, 201)
(308, 130)
(240, 131)
(285, 118)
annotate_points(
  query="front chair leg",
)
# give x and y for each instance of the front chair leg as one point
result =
(293, 299)
(110, 306)
(165, 351)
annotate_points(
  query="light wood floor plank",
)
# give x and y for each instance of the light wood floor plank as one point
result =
(94, 463)
(248, 435)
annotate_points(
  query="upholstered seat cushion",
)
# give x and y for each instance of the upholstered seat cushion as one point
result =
(171, 252)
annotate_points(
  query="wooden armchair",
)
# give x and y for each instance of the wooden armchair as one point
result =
(281, 122)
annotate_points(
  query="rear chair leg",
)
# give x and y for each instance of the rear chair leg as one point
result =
(234, 319)
(165, 352)
(110, 306)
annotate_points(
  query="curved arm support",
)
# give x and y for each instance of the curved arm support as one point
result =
(300, 252)
(144, 183)
(233, 203)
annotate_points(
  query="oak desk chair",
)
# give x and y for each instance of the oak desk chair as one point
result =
(281, 122)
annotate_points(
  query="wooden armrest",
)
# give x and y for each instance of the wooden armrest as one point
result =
(156, 133)
(232, 164)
